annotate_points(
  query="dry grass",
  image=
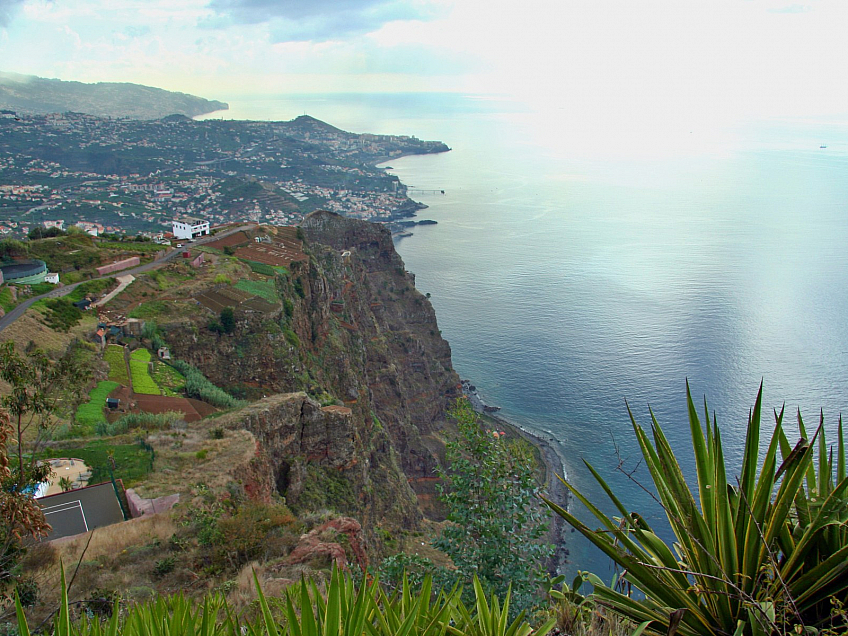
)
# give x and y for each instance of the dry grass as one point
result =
(111, 540)
(178, 466)
(29, 328)
(118, 557)
(274, 579)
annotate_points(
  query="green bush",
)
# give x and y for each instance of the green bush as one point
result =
(61, 314)
(132, 421)
(198, 386)
(497, 530)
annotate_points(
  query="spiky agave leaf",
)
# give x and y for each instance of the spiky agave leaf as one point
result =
(774, 540)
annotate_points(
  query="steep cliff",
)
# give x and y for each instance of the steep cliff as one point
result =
(353, 330)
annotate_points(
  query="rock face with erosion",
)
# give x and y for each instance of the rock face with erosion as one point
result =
(354, 331)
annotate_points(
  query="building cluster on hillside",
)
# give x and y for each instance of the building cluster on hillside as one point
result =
(133, 176)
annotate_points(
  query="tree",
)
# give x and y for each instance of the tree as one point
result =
(228, 320)
(19, 514)
(38, 385)
(39, 232)
(496, 527)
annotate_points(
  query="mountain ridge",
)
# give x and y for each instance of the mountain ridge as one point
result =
(38, 95)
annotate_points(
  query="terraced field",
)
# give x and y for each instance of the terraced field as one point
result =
(114, 355)
(139, 368)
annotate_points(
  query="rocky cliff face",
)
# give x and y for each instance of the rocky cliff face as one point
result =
(353, 329)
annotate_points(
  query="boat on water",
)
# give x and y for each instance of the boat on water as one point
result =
(823, 146)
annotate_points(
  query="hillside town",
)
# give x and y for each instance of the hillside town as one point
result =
(129, 176)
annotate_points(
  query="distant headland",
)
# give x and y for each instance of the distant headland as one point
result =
(37, 95)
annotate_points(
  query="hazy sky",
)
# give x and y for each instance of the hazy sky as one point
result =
(718, 58)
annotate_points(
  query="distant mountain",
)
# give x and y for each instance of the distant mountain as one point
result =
(30, 94)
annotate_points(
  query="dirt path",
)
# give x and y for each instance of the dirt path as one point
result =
(125, 281)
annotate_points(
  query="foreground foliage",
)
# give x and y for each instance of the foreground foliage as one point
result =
(763, 553)
(305, 611)
(497, 529)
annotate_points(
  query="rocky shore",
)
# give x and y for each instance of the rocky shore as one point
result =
(554, 468)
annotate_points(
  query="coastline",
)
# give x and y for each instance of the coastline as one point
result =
(554, 464)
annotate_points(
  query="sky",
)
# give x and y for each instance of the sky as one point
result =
(666, 59)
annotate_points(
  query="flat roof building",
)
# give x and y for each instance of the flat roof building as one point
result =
(189, 228)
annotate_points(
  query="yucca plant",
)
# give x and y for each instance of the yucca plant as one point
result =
(759, 554)
(340, 611)
(492, 619)
(405, 613)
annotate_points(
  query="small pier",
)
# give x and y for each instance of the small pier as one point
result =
(412, 190)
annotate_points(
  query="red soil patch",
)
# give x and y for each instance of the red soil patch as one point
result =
(163, 404)
(278, 254)
(239, 238)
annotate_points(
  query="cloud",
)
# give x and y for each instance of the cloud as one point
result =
(317, 20)
(7, 10)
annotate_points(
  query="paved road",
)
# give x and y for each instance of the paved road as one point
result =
(18, 311)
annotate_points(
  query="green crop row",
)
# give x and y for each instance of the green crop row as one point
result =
(169, 379)
(139, 368)
(264, 289)
(114, 355)
(90, 413)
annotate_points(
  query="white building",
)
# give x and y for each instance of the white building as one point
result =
(52, 278)
(189, 228)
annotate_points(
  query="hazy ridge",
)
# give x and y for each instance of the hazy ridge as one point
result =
(37, 95)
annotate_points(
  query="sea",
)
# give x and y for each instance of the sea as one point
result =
(580, 267)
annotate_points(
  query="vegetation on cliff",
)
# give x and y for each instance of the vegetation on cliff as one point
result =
(496, 528)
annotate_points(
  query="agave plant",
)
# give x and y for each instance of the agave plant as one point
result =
(341, 611)
(754, 554)
(491, 619)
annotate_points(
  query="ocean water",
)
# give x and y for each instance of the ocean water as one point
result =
(578, 265)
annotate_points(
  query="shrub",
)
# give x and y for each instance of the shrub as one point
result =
(198, 386)
(497, 529)
(254, 530)
(164, 566)
(61, 314)
(132, 421)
